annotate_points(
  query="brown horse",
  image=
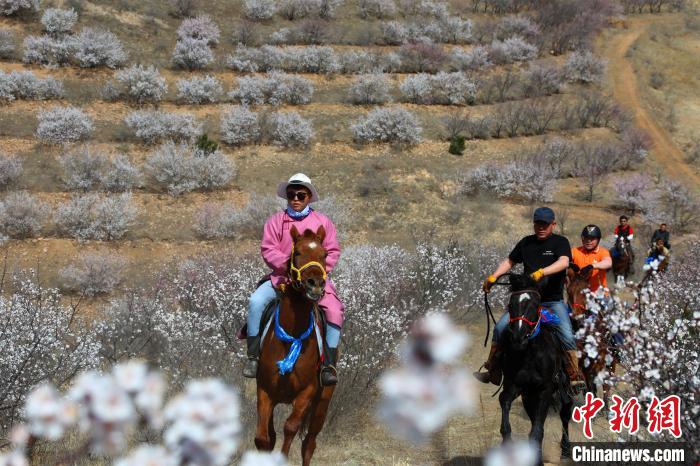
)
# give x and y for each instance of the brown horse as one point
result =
(301, 387)
(577, 282)
(622, 261)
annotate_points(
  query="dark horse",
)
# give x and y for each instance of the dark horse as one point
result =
(533, 366)
(622, 261)
(577, 282)
(301, 387)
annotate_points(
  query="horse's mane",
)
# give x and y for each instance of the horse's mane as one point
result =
(519, 282)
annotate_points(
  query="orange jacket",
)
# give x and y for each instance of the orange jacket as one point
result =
(582, 258)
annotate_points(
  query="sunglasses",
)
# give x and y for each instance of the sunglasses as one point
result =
(291, 195)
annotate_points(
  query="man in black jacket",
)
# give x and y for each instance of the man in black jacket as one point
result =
(661, 233)
(542, 254)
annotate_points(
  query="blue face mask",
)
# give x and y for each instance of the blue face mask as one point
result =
(298, 215)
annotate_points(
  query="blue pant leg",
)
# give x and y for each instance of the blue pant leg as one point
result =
(332, 335)
(500, 327)
(256, 306)
(564, 330)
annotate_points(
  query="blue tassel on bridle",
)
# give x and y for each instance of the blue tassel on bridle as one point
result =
(286, 365)
(547, 317)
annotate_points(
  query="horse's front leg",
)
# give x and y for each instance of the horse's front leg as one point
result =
(506, 400)
(300, 407)
(537, 431)
(265, 431)
(565, 415)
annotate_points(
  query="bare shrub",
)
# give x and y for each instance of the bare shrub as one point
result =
(513, 49)
(312, 59)
(585, 67)
(369, 89)
(289, 129)
(120, 175)
(635, 145)
(183, 8)
(593, 164)
(98, 47)
(295, 9)
(259, 10)
(7, 43)
(567, 25)
(11, 7)
(48, 51)
(416, 88)
(312, 31)
(83, 168)
(63, 124)
(540, 80)
(180, 168)
(142, 84)
(239, 126)
(96, 216)
(25, 85)
(380, 9)
(152, 126)
(394, 32)
(395, 125)
(192, 54)
(95, 273)
(10, 169)
(22, 215)
(538, 115)
(214, 220)
(422, 57)
(521, 26)
(245, 33)
(455, 125)
(57, 21)
(327, 8)
(199, 90)
(480, 127)
(200, 28)
(517, 180)
(472, 60)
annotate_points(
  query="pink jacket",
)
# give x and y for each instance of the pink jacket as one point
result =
(276, 248)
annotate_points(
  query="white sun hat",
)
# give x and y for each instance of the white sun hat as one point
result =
(298, 179)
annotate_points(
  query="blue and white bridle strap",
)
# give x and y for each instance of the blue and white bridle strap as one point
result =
(286, 365)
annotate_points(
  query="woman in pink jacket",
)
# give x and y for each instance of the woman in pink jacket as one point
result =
(276, 249)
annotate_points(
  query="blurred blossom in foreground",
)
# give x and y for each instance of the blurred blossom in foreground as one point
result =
(204, 423)
(420, 395)
(14, 458)
(517, 453)
(147, 455)
(261, 458)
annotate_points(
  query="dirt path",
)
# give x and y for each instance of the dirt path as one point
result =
(626, 92)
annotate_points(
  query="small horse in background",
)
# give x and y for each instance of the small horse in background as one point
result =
(297, 316)
(622, 262)
(577, 282)
(533, 365)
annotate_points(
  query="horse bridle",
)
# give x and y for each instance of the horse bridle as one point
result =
(489, 311)
(532, 325)
(296, 282)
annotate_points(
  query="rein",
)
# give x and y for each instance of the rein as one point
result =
(489, 311)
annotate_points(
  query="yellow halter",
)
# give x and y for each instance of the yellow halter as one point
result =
(298, 271)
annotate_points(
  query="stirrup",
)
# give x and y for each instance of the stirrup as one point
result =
(250, 370)
(331, 374)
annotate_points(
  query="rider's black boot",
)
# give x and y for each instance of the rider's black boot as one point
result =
(250, 369)
(329, 374)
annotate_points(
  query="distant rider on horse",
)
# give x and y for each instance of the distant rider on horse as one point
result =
(661, 233)
(624, 232)
(276, 249)
(592, 256)
(543, 254)
(657, 252)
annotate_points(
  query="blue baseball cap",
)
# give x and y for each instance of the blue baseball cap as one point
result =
(543, 214)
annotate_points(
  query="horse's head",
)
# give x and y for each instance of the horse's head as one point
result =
(307, 267)
(523, 308)
(577, 281)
